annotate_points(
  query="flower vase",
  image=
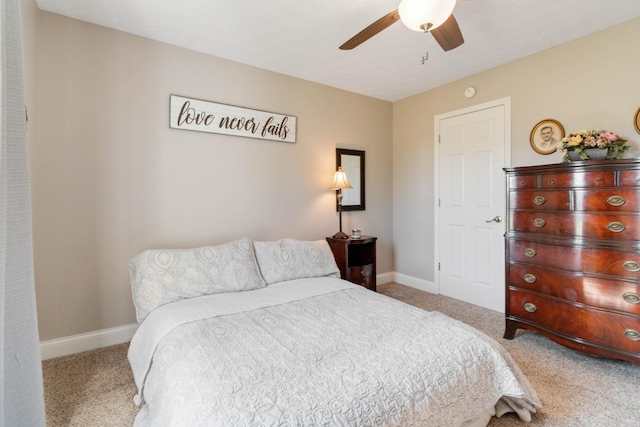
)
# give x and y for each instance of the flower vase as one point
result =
(593, 153)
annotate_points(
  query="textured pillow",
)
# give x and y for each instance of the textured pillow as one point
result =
(161, 276)
(289, 259)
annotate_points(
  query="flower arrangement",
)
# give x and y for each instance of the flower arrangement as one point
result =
(579, 142)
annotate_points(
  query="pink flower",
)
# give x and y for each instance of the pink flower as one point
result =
(610, 136)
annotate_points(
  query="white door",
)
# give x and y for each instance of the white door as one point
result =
(471, 197)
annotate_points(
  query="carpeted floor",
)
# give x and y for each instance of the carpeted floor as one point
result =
(96, 388)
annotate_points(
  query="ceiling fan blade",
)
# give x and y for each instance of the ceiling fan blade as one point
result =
(371, 30)
(448, 35)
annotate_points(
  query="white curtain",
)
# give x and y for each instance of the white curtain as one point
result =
(21, 391)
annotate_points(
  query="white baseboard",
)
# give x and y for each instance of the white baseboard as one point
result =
(385, 277)
(414, 282)
(105, 337)
(87, 341)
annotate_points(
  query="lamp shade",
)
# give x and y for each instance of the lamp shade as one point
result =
(339, 180)
(424, 15)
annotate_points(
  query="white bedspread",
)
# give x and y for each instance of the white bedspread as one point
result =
(318, 352)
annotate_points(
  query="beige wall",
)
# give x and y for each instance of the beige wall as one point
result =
(111, 179)
(588, 83)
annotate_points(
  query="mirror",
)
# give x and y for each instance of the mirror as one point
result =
(352, 163)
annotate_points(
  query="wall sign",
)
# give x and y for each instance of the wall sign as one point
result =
(205, 116)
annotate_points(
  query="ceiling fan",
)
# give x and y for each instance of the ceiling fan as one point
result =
(433, 16)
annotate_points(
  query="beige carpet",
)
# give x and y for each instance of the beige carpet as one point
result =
(96, 388)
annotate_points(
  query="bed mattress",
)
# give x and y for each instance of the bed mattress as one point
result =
(319, 352)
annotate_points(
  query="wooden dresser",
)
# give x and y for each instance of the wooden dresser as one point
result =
(573, 255)
(356, 259)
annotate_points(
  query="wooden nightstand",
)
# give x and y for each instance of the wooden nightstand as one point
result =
(356, 259)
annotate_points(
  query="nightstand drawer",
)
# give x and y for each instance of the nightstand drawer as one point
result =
(361, 275)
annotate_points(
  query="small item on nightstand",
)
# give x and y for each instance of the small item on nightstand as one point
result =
(356, 233)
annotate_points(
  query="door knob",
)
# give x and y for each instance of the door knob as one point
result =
(496, 218)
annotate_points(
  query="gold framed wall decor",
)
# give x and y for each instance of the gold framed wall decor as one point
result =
(636, 120)
(546, 135)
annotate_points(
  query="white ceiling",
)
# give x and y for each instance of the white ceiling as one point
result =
(300, 38)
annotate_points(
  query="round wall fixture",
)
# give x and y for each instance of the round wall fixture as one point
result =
(470, 92)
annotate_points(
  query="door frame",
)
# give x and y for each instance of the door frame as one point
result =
(506, 102)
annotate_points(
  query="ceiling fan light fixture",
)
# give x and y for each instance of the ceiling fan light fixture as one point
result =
(425, 15)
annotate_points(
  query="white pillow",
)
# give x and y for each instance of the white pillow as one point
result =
(161, 276)
(289, 259)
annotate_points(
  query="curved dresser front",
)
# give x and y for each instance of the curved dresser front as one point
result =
(573, 255)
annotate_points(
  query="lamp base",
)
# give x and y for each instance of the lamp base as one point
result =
(340, 235)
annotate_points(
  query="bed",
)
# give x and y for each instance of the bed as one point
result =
(267, 334)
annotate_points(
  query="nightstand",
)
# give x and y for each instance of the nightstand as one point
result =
(356, 259)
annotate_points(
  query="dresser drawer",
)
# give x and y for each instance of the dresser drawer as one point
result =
(540, 199)
(600, 225)
(544, 222)
(616, 200)
(606, 328)
(630, 178)
(523, 181)
(563, 180)
(578, 179)
(576, 287)
(598, 261)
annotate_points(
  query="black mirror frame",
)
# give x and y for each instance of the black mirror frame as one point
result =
(339, 153)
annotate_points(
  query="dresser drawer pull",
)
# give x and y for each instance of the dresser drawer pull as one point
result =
(616, 227)
(539, 200)
(631, 298)
(631, 266)
(599, 179)
(530, 278)
(531, 308)
(530, 253)
(363, 273)
(539, 222)
(632, 334)
(616, 200)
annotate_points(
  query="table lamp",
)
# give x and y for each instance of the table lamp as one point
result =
(339, 182)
